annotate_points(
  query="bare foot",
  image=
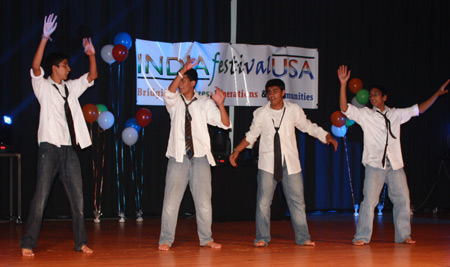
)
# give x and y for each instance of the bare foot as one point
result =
(86, 249)
(164, 247)
(309, 243)
(213, 244)
(409, 241)
(359, 243)
(261, 244)
(27, 252)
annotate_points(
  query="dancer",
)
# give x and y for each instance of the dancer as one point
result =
(189, 153)
(278, 119)
(382, 157)
(62, 129)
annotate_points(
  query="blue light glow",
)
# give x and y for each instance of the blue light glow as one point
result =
(7, 120)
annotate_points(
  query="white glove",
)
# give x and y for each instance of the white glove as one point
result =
(49, 25)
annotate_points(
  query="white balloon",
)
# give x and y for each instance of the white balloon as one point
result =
(106, 54)
(130, 136)
(356, 103)
(105, 120)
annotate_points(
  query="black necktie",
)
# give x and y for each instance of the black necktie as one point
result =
(187, 130)
(277, 164)
(388, 132)
(69, 118)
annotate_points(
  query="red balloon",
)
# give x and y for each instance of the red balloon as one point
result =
(355, 85)
(90, 112)
(143, 117)
(120, 52)
(338, 119)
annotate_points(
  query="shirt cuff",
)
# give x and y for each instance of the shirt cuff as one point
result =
(169, 95)
(416, 110)
(251, 140)
(89, 84)
(39, 76)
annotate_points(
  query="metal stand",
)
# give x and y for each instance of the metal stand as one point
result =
(442, 168)
(11, 156)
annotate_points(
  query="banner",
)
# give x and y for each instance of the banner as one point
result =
(240, 70)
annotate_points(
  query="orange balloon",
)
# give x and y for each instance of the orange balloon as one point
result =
(355, 85)
(90, 112)
(338, 119)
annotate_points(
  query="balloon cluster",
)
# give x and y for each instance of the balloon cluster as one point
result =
(119, 51)
(340, 121)
(133, 125)
(361, 95)
(99, 113)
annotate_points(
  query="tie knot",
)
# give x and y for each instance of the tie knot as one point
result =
(383, 114)
(187, 104)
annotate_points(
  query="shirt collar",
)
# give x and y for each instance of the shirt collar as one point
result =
(386, 109)
(196, 95)
(49, 78)
(285, 104)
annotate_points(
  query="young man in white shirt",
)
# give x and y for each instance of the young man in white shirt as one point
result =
(382, 157)
(190, 154)
(57, 145)
(284, 117)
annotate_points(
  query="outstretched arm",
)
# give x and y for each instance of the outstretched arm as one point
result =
(49, 27)
(89, 50)
(233, 157)
(176, 82)
(343, 76)
(219, 98)
(429, 102)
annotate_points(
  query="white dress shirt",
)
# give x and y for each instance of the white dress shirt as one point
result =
(53, 126)
(374, 126)
(262, 125)
(203, 111)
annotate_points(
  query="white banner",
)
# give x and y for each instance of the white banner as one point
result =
(240, 70)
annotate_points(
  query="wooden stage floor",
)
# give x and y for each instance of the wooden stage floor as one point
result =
(135, 244)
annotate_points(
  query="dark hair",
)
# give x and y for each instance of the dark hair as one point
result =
(53, 60)
(275, 82)
(192, 75)
(381, 88)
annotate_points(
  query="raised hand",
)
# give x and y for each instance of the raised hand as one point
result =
(429, 102)
(189, 65)
(49, 25)
(88, 47)
(343, 74)
(219, 96)
(442, 90)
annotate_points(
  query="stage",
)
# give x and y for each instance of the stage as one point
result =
(135, 243)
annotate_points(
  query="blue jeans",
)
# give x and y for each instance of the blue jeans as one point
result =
(197, 173)
(64, 162)
(398, 194)
(293, 190)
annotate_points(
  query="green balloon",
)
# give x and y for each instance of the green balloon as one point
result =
(349, 122)
(362, 96)
(101, 108)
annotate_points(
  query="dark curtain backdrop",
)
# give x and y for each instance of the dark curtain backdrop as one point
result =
(402, 45)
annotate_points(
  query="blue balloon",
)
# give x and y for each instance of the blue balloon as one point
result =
(105, 120)
(339, 131)
(123, 38)
(132, 123)
(130, 136)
